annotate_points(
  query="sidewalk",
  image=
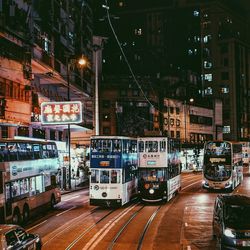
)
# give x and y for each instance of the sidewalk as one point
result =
(75, 187)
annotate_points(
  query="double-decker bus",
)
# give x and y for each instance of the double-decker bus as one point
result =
(159, 168)
(222, 165)
(113, 166)
(27, 178)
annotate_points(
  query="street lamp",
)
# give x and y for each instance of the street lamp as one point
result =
(191, 100)
(81, 62)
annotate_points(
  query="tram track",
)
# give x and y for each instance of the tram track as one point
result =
(143, 233)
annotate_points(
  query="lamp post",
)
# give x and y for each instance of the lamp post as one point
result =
(81, 62)
(185, 126)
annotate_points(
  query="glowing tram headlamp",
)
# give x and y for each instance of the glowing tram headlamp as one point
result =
(151, 191)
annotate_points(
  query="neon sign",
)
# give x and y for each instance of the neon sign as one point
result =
(61, 112)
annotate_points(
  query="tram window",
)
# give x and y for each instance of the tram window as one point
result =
(141, 146)
(151, 146)
(104, 176)
(162, 146)
(117, 146)
(115, 176)
(95, 176)
(106, 146)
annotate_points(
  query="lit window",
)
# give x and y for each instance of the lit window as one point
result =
(138, 32)
(225, 90)
(208, 77)
(207, 65)
(226, 129)
(190, 52)
(207, 38)
(196, 13)
(208, 91)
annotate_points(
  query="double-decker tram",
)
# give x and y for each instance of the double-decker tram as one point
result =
(222, 165)
(27, 178)
(159, 171)
(113, 167)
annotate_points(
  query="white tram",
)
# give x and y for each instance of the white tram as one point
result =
(159, 171)
(113, 166)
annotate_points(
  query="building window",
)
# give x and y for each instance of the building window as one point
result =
(138, 32)
(172, 134)
(60, 135)
(165, 121)
(226, 129)
(52, 135)
(38, 133)
(178, 134)
(178, 122)
(225, 90)
(207, 38)
(106, 103)
(208, 91)
(123, 92)
(135, 92)
(196, 13)
(172, 122)
(4, 131)
(207, 65)
(208, 77)
(177, 110)
(23, 131)
(171, 110)
(106, 130)
(224, 48)
(224, 76)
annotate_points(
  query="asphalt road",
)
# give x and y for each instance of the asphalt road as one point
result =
(183, 223)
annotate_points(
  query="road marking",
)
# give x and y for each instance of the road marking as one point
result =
(36, 225)
(72, 198)
(190, 185)
(188, 248)
(66, 211)
(186, 224)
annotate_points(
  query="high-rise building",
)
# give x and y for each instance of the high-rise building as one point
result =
(204, 44)
(40, 43)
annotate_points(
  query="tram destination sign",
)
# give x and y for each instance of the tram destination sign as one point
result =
(61, 112)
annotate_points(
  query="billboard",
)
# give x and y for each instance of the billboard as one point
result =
(61, 112)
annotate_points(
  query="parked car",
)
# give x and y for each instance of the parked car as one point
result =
(15, 237)
(231, 221)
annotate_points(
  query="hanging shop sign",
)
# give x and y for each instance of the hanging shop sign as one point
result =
(61, 112)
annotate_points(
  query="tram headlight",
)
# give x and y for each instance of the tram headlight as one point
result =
(151, 191)
(229, 233)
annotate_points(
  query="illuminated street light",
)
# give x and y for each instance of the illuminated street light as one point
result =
(81, 62)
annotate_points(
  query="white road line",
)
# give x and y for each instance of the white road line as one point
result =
(188, 247)
(191, 185)
(36, 226)
(66, 211)
(72, 198)
(186, 224)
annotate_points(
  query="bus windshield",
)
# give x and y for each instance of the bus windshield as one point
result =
(217, 172)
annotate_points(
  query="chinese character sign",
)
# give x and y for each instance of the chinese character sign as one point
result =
(61, 112)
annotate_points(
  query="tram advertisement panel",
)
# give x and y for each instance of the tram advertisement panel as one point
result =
(110, 160)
